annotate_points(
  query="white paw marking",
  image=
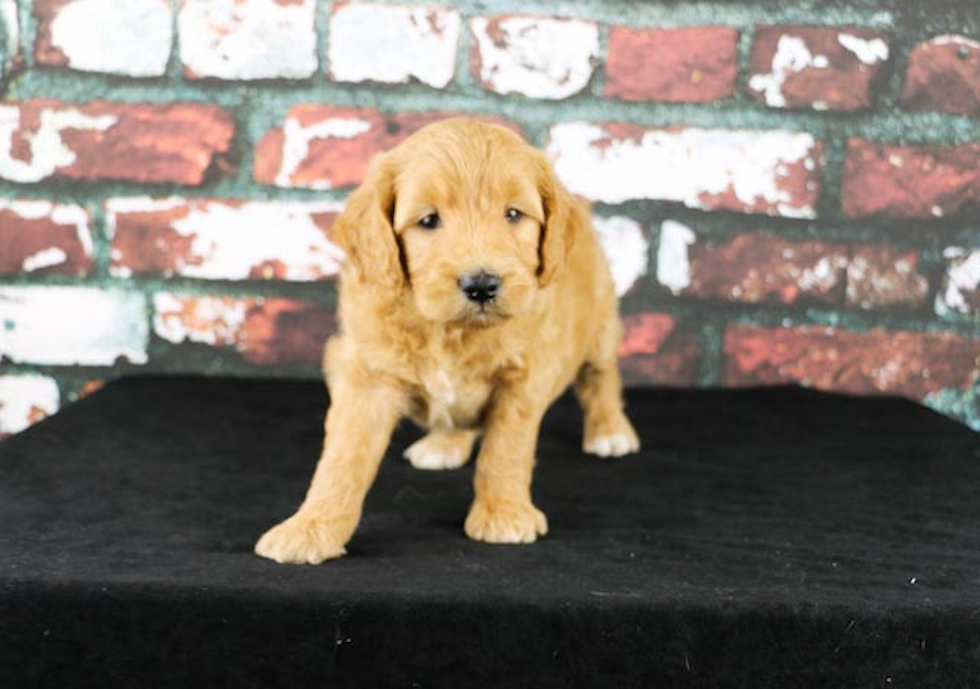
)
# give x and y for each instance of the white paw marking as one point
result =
(615, 445)
(423, 456)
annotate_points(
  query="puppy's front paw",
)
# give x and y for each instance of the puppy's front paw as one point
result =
(613, 438)
(505, 522)
(302, 540)
(441, 450)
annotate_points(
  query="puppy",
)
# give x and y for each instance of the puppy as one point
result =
(474, 293)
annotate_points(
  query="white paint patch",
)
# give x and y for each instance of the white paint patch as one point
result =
(822, 276)
(248, 39)
(215, 321)
(537, 56)
(232, 239)
(23, 399)
(48, 149)
(626, 248)
(673, 264)
(857, 273)
(872, 285)
(72, 325)
(792, 56)
(28, 209)
(962, 276)
(959, 41)
(61, 214)
(682, 165)
(10, 51)
(130, 37)
(393, 44)
(45, 258)
(296, 145)
(867, 51)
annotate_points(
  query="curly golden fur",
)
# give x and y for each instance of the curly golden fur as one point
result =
(456, 198)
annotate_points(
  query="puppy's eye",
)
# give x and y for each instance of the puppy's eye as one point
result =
(430, 222)
(513, 215)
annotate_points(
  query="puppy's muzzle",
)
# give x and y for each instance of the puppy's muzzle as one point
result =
(480, 286)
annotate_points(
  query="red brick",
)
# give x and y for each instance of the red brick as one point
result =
(223, 239)
(880, 276)
(696, 64)
(761, 268)
(267, 332)
(752, 268)
(43, 237)
(133, 142)
(909, 181)
(656, 349)
(326, 146)
(773, 172)
(819, 67)
(944, 75)
(913, 364)
(129, 37)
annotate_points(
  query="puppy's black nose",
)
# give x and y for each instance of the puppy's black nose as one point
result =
(480, 286)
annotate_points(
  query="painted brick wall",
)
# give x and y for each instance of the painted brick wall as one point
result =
(788, 192)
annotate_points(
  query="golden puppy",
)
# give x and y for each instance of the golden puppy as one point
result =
(475, 292)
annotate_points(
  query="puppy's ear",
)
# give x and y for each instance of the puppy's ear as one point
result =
(364, 229)
(564, 217)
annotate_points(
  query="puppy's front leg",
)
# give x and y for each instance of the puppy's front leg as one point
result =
(502, 511)
(359, 424)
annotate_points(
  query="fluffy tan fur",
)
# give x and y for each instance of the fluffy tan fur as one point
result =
(411, 343)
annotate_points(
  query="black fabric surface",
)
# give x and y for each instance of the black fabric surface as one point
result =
(764, 538)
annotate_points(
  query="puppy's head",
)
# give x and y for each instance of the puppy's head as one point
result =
(464, 218)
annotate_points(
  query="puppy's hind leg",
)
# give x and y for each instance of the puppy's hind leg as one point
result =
(608, 433)
(442, 449)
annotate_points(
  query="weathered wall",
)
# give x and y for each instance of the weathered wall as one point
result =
(788, 191)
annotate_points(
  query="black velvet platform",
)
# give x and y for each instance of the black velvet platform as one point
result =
(765, 538)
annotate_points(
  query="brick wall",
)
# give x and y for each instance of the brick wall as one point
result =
(788, 192)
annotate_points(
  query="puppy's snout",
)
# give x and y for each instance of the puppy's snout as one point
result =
(480, 286)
